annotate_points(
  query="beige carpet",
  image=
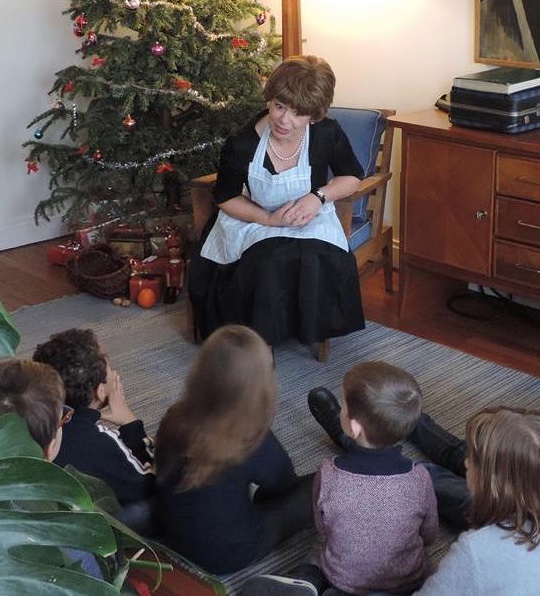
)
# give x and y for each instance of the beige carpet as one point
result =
(147, 347)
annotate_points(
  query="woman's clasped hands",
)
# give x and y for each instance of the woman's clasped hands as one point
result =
(296, 213)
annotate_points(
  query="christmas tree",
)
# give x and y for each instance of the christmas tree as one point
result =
(161, 84)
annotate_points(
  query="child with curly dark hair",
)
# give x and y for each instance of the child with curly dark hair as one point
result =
(105, 439)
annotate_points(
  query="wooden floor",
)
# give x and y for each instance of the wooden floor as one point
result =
(510, 337)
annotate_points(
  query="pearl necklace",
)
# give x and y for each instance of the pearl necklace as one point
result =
(293, 155)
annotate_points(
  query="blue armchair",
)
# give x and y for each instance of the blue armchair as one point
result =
(361, 214)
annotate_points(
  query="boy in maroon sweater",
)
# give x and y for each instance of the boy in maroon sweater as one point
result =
(375, 510)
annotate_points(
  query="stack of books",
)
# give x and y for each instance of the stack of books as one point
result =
(503, 99)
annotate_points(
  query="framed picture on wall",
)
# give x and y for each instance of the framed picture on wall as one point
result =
(507, 32)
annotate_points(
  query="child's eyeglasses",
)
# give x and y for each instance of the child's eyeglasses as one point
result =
(67, 415)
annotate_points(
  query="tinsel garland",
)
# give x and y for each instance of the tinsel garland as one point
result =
(193, 94)
(134, 165)
(185, 8)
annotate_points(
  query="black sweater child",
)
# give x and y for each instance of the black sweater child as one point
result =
(123, 457)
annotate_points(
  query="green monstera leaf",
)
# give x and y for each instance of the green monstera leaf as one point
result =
(53, 538)
(45, 514)
(9, 336)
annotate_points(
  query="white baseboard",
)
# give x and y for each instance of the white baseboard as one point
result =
(395, 253)
(24, 231)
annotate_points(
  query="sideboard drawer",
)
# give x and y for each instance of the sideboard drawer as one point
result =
(518, 177)
(517, 264)
(518, 220)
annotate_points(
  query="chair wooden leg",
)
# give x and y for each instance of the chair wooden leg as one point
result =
(388, 261)
(192, 331)
(322, 350)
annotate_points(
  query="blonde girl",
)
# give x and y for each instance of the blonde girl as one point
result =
(500, 554)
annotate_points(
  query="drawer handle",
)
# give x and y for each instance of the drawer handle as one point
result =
(526, 268)
(527, 225)
(527, 180)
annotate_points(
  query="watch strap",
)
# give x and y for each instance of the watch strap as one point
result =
(320, 195)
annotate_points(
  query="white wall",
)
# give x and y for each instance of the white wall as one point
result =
(36, 40)
(391, 54)
(386, 53)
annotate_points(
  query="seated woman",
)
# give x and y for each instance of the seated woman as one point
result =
(276, 258)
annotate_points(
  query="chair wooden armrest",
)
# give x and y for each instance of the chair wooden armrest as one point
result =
(344, 207)
(369, 184)
(202, 201)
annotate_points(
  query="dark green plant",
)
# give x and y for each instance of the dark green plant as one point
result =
(139, 120)
(46, 510)
(9, 336)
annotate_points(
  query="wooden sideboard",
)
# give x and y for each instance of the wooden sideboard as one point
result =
(469, 210)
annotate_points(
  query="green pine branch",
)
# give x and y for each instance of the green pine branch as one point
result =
(183, 103)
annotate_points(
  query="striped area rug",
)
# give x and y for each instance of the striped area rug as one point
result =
(148, 348)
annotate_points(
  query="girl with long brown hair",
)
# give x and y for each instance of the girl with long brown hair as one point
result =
(500, 554)
(213, 446)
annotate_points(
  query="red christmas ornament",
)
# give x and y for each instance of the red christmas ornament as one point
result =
(81, 21)
(68, 87)
(31, 166)
(97, 155)
(129, 122)
(182, 84)
(91, 38)
(97, 61)
(78, 31)
(164, 167)
(158, 49)
(238, 42)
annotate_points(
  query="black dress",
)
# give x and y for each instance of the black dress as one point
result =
(282, 287)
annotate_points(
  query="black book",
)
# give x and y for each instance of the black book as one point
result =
(504, 79)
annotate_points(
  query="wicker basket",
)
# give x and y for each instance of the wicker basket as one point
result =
(99, 271)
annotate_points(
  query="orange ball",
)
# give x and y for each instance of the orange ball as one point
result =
(146, 298)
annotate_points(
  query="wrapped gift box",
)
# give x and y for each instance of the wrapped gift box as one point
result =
(127, 230)
(158, 245)
(129, 240)
(151, 265)
(138, 282)
(181, 223)
(91, 236)
(136, 248)
(61, 254)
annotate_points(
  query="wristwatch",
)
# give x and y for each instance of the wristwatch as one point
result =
(320, 195)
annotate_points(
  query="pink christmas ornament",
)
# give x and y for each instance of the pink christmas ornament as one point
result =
(158, 49)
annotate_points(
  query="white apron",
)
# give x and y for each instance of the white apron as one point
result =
(230, 237)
